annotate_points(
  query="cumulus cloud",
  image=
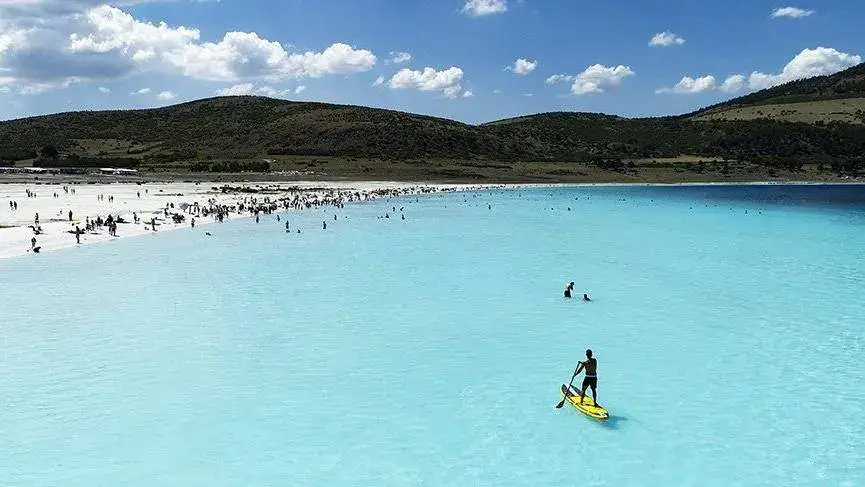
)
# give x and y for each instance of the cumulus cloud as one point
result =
(247, 89)
(397, 57)
(59, 42)
(689, 85)
(142, 91)
(733, 84)
(447, 81)
(808, 63)
(666, 39)
(242, 89)
(379, 81)
(523, 66)
(468, 94)
(478, 8)
(166, 95)
(270, 91)
(300, 89)
(695, 85)
(705, 84)
(559, 78)
(791, 13)
(103, 89)
(599, 78)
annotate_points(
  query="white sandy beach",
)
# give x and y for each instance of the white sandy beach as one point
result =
(149, 201)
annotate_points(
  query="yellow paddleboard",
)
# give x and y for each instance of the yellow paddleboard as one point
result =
(587, 407)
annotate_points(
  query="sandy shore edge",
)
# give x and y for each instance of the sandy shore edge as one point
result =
(53, 202)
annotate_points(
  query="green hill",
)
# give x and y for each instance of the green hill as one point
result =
(838, 97)
(787, 128)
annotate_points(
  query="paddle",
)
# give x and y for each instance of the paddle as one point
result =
(567, 391)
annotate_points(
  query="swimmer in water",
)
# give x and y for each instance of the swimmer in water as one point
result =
(586, 297)
(568, 289)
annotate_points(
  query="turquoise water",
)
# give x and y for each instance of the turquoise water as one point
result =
(430, 351)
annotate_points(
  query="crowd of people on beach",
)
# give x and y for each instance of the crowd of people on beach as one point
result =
(223, 203)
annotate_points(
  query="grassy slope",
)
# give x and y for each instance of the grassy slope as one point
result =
(848, 110)
(837, 97)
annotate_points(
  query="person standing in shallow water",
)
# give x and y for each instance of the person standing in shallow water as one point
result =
(324, 225)
(569, 289)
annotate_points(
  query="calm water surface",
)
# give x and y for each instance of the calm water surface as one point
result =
(727, 321)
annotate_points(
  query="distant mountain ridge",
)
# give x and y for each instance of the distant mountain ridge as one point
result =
(760, 127)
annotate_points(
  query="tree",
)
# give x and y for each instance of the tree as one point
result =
(49, 152)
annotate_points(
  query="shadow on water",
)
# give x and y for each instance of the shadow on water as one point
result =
(617, 422)
(614, 422)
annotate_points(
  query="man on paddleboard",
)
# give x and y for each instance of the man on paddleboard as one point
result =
(590, 365)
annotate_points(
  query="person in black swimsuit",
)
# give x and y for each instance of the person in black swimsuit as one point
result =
(591, 379)
(568, 289)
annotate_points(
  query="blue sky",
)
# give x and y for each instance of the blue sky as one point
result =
(60, 55)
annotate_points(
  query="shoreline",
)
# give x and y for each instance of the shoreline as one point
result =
(171, 205)
(161, 200)
(346, 183)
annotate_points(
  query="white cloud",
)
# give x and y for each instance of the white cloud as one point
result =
(38, 88)
(244, 55)
(268, 91)
(705, 84)
(691, 85)
(248, 89)
(733, 84)
(447, 81)
(523, 66)
(599, 78)
(103, 89)
(808, 63)
(497, 92)
(166, 95)
(242, 89)
(109, 29)
(142, 91)
(666, 39)
(791, 12)
(528, 94)
(378, 81)
(300, 89)
(45, 43)
(559, 78)
(468, 94)
(478, 8)
(397, 57)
